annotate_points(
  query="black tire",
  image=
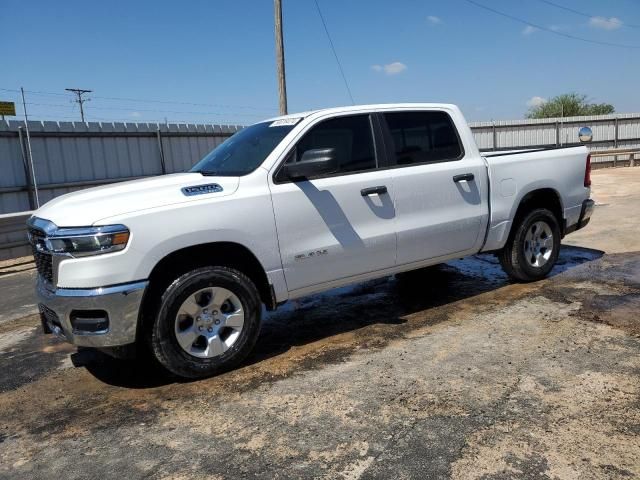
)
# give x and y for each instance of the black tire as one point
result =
(162, 339)
(512, 256)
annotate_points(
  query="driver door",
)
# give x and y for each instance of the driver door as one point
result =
(338, 225)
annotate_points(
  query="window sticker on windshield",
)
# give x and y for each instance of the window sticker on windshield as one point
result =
(285, 121)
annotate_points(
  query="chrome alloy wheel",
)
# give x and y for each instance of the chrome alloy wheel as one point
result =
(209, 322)
(538, 244)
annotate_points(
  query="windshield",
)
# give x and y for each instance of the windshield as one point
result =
(244, 151)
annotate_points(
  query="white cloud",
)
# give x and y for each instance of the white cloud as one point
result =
(433, 20)
(393, 68)
(536, 101)
(528, 30)
(136, 114)
(604, 23)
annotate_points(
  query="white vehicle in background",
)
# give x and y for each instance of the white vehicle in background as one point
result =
(181, 265)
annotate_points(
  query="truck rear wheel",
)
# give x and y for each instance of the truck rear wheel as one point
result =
(533, 247)
(208, 322)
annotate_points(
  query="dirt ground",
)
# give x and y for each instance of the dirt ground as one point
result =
(447, 373)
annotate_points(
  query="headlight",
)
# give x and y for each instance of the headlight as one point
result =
(80, 242)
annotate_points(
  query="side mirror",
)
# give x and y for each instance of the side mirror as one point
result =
(320, 161)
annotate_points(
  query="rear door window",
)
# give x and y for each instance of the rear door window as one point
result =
(423, 137)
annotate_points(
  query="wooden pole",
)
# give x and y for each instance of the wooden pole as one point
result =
(282, 85)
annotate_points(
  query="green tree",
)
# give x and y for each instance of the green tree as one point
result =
(569, 105)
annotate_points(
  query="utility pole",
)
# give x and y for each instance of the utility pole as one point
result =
(282, 85)
(79, 92)
(29, 151)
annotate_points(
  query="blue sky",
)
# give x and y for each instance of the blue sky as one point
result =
(220, 56)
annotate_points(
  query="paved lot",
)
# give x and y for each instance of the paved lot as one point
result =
(17, 298)
(448, 373)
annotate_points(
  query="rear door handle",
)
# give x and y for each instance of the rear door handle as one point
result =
(463, 176)
(373, 190)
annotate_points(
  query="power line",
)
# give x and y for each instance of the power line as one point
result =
(333, 49)
(38, 104)
(33, 92)
(582, 14)
(215, 105)
(140, 100)
(540, 27)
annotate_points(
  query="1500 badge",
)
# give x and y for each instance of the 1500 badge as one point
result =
(315, 253)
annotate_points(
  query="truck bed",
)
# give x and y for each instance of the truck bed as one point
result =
(513, 174)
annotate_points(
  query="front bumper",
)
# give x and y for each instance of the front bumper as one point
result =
(120, 302)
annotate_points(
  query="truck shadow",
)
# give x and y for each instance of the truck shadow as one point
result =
(378, 304)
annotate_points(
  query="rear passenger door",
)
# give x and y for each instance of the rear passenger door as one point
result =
(340, 225)
(441, 208)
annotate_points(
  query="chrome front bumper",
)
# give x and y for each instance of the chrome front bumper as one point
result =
(120, 302)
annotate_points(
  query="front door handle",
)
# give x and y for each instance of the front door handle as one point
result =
(463, 176)
(373, 190)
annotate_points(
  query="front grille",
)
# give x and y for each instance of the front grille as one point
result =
(44, 262)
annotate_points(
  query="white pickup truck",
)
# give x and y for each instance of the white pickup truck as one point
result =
(181, 265)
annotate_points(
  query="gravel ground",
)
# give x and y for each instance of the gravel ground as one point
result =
(451, 372)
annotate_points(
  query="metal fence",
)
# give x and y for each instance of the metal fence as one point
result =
(68, 156)
(609, 132)
(13, 234)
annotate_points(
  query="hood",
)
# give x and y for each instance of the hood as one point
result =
(86, 207)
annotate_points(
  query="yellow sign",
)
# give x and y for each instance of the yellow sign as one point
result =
(7, 108)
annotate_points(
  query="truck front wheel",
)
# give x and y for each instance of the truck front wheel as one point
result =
(208, 322)
(533, 247)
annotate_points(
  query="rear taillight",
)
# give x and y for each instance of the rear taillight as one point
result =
(587, 172)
